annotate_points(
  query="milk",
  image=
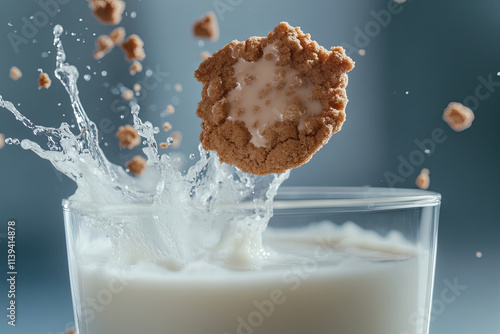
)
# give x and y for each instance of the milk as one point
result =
(311, 283)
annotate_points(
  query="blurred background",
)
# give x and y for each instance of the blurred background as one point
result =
(416, 58)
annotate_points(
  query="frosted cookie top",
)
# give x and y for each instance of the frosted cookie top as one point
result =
(269, 103)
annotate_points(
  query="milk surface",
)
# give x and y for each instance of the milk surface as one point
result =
(311, 283)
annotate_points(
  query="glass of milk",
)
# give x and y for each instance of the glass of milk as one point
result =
(331, 260)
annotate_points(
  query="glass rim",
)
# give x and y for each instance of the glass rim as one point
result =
(346, 199)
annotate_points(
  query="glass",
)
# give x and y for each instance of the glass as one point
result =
(372, 272)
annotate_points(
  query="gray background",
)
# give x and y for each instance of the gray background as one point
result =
(427, 55)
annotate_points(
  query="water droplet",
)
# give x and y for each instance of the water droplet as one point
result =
(10, 24)
(59, 104)
(122, 117)
(80, 19)
(192, 156)
(104, 73)
(149, 73)
(427, 151)
(73, 34)
(87, 77)
(170, 140)
(175, 100)
(407, 92)
(45, 54)
(201, 43)
(133, 15)
(88, 67)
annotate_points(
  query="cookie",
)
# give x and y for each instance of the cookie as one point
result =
(44, 81)
(108, 11)
(136, 165)
(423, 180)
(15, 73)
(207, 27)
(269, 103)
(458, 116)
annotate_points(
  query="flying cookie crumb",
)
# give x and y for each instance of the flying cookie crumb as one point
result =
(170, 109)
(423, 181)
(15, 73)
(103, 45)
(204, 55)
(207, 27)
(167, 126)
(44, 81)
(70, 331)
(362, 52)
(135, 67)
(117, 35)
(137, 87)
(178, 87)
(163, 145)
(136, 165)
(177, 138)
(133, 47)
(128, 136)
(108, 11)
(2, 141)
(458, 116)
(128, 94)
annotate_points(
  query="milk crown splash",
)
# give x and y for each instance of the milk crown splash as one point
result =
(188, 217)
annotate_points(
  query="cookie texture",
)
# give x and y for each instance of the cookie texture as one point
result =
(296, 134)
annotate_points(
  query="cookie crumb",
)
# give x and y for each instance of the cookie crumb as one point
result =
(458, 116)
(204, 55)
(170, 109)
(2, 141)
(136, 165)
(70, 331)
(133, 47)
(177, 138)
(423, 181)
(103, 45)
(167, 126)
(178, 88)
(135, 67)
(117, 35)
(128, 94)
(44, 81)
(137, 87)
(108, 11)
(15, 73)
(128, 136)
(163, 145)
(207, 27)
